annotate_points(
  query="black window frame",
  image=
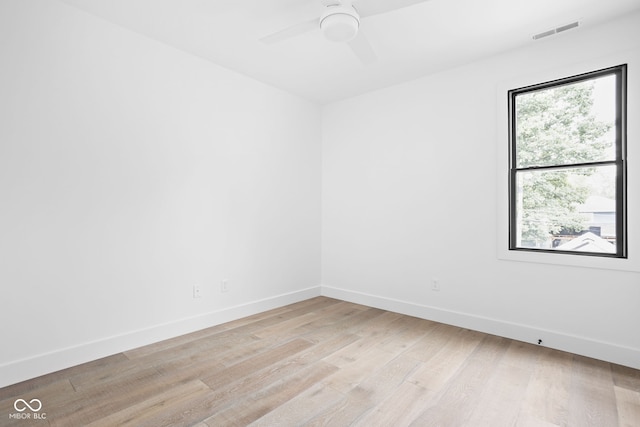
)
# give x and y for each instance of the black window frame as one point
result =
(620, 161)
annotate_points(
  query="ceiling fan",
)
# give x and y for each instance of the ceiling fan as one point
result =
(340, 22)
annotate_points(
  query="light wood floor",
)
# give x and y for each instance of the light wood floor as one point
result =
(328, 362)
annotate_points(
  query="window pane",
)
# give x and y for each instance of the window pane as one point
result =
(567, 124)
(569, 210)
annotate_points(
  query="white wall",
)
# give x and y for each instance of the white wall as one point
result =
(130, 171)
(410, 194)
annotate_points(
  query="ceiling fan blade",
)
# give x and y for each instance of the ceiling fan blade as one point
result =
(363, 50)
(375, 7)
(293, 31)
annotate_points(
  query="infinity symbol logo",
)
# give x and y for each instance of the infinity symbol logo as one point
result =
(26, 405)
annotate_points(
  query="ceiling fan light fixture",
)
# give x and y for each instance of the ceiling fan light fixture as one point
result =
(340, 23)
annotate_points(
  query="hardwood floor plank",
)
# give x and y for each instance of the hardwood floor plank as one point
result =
(321, 349)
(296, 412)
(344, 320)
(547, 397)
(237, 354)
(346, 325)
(173, 343)
(628, 404)
(372, 332)
(102, 399)
(207, 356)
(408, 331)
(502, 396)
(460, 396)
(344, 412)
(105, 376)
(377, 385)
(219, 342)
(625, 377)
(225, 395)
(592, 392)
(381, 382)
(191, 367)
(51, 395)
(319, 324)
(283, 329)
(241, 326)
(325, 362)
(380, 326)
(255, 363)
(451, 358)
(152, 411)
(398, 409)
(245, 411)
(361, 366)
(432, 342)
(527, 421)
(353, 352)
(42, 381)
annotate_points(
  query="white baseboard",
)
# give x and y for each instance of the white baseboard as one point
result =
(601, 350)
(24, 369)
(20, 370)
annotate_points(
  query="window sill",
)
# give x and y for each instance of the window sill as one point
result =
(622, 264)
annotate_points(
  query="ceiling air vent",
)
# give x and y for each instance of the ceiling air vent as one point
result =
(556, 30)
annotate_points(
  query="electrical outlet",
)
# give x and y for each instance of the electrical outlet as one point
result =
(197, 291)
(435, 284)
(224, 286)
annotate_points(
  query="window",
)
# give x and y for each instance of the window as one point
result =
(567, 183)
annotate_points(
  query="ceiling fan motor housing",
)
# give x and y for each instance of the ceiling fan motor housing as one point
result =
(340, 23)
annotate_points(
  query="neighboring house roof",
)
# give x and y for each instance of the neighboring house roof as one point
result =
(598, 204)
(588, 242)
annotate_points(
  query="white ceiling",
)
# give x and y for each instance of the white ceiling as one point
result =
(410, 42)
